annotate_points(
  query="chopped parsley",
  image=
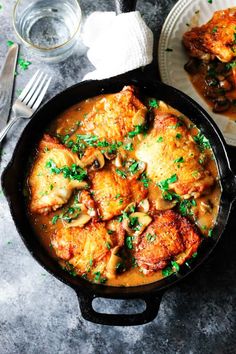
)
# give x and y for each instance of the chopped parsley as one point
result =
(99, 278)
(54, 219)
(202, 141)
(110, 232)
(70, 269)
(185, 207)
(180, 159)
(129, 147)
(134, 167)
(210, 232)
(153, 103)
(164, 184)
(121, 173)
(144, 179)
(138, 129)
(129, 242)
(10, 43)
(178, 136)
(175, 266)
(108, 245)
(151, 237)
(160, 139)
(74, 172)
(167, 271)
(24, 64)
(215, 29)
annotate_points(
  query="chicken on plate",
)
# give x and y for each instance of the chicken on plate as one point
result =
(212, 51)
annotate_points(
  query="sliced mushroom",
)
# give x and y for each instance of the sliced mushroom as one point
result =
(143, 220)
(112, 263)
(94, 158)
(110, 155)
(158, 201)
(80, 221)
(144, 206)
(140, 167)
(130, 208)
(80, 217)
(118, 160)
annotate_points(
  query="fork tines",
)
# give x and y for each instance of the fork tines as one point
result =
(35, 90)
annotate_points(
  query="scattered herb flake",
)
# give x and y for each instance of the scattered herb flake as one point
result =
(179, 159)
(151, 237)
(54, 219)
(129, 147)
(160, 139)
(210, 232)
(129, 242)
(9, 43)
(175, 266)
(167, 271)
(178, 136)
(24, 64)
(138, 129)
(121, 173)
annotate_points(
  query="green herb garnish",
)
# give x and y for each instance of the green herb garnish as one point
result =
(153, 103)
(121, 173)
(129, 242)
(139, 129)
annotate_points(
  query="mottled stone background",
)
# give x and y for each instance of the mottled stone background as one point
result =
(39, 314)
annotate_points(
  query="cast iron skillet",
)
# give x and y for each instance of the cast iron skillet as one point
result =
(14, 176)
(13, 183)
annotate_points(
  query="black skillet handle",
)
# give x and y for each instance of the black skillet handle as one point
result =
(125, 6)
(148, 315)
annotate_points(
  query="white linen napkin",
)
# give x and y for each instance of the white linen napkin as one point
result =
(117, 44)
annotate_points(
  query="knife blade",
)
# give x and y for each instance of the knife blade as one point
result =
(7, 77)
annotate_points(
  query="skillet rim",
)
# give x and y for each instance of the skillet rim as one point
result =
(141, 290)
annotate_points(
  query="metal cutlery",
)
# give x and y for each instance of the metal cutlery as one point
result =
(29, 100)
(6, 84)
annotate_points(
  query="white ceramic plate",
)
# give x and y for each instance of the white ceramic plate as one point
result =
(171, 63)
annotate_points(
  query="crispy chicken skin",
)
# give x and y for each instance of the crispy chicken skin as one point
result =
(49, 191)
(88, 248)
(113, 117)
(169, 237)
(167, 155)
(214, 39)
(113, 193)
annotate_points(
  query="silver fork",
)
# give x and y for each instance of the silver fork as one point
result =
(29, 100)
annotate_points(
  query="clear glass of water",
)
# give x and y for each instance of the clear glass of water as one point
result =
(48, 27)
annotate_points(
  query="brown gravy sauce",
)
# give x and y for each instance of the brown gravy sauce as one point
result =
(67, 123)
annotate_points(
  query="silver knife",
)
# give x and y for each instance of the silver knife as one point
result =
(6, 84)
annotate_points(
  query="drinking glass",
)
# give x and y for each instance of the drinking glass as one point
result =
(48, 27)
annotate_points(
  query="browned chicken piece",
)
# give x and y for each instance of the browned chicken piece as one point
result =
(169, 237)
(50, 190)
(114, 116)
(217, 38)
(172, 157)
(112, 193)
(87, 249)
